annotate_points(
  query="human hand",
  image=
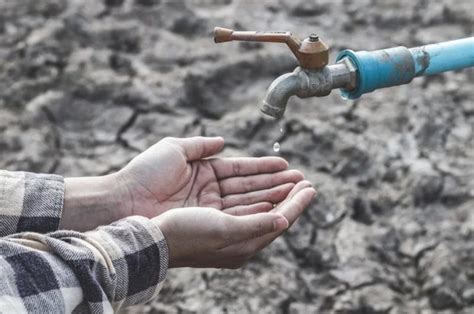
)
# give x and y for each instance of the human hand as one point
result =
(174, 173)
(207, 237)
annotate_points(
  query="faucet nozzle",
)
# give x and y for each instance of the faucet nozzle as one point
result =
(281, 89)
(307, 83)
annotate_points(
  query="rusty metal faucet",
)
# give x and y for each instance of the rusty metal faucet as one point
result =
(355, 72)
(312, 78)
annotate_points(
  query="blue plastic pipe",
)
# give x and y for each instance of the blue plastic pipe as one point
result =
(399, 65)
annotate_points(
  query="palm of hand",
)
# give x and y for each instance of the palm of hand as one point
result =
(173, 174)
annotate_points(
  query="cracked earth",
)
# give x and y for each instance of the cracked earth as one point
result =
(85, 85)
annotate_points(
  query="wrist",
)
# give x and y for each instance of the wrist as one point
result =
(161, 222)
(93, 201)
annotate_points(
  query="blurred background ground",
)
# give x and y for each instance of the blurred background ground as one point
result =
(87, 84)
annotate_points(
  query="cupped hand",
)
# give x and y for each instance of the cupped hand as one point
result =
(207, 237)
(176, 172)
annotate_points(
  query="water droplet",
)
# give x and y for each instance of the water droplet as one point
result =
(329, 217)
(281, 124)
(276, 147)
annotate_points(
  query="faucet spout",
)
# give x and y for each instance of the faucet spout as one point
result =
(306, 83)
(281, 89)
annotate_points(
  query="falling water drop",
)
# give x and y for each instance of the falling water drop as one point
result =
(276, 147)
(329, 217)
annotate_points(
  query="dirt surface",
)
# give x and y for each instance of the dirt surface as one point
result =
(86, 84)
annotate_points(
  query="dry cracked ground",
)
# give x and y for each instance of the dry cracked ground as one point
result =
(86, 84)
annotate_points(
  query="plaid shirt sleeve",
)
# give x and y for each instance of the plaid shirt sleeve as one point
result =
(99, 271)
(30, 202)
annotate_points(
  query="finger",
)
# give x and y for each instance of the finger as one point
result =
(293, 208)
(199, 147)
(235, 185)
(243, 228)
(249, 209)
(298, 187)
(231, 167)
(272, 195)
(298, 203)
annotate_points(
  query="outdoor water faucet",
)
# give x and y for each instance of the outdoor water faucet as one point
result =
(354, 73)
(311, 78)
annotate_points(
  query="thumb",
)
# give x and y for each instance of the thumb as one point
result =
(200, 147)
(256, 225)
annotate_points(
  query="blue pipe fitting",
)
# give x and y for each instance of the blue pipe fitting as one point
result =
(379, 69)
(399, 65)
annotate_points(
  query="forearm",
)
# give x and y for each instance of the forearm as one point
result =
(114, 266)
(90, 202)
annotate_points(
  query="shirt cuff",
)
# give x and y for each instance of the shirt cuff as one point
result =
(139, 254)
(30, 202)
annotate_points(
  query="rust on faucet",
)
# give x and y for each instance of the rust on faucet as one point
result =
(311, 53)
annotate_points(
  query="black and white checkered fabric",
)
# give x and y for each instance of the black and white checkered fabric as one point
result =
(30, 202)
(99, 271)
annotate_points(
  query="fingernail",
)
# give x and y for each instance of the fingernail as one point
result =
(280, 224)
(306, 184)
